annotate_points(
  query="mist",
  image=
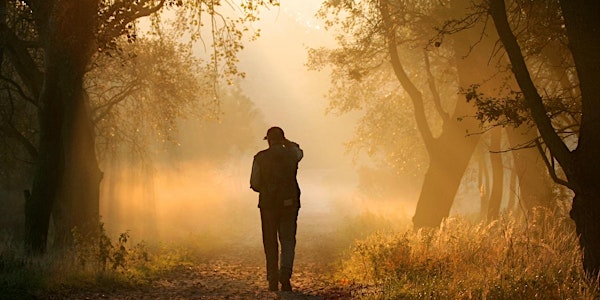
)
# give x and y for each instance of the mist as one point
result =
(198, 190)
(197, 183)
(448, 149)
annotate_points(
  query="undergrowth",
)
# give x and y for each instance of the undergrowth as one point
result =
(503, 259)
(92, 263)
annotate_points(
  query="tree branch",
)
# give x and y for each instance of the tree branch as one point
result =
(120, 97)
(433, 88)
(409, 87)
(24, 64)
(10, 130)
(19, 90)
(121, 20)
(550, 167)
(534, 101)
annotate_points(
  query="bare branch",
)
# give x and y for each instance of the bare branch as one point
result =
(20, 58)
(10, 130)
(107, 107)
(406, 83)
(17, 87)
(433, 88)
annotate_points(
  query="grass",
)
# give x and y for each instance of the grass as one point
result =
(91, 264)
(509, 258)
(504, 259)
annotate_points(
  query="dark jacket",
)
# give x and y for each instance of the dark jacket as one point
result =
(274, 176)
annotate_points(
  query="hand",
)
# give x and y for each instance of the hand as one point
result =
(290, 143)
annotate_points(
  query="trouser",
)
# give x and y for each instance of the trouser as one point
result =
(279, 223)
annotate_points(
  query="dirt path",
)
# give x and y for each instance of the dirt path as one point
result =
(220, 280)
(234, 275)
(236, 270)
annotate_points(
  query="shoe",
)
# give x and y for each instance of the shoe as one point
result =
(273, 285)
(286, 286)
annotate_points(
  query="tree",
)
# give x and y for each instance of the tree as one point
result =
(399, 38)
(580, 162)
(51, 50)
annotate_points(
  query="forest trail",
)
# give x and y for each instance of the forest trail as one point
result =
(232, 265)
(225, 277)
(232, 272)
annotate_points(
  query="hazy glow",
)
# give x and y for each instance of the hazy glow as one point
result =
(199, 198)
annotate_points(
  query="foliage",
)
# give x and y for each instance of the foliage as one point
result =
(505, 259)
(19, 273)
(539, 29)
(138, 97)
(91, 263)
(99, 254)
(142, 75)
(512, 110)
(362, 78)
(225, 30)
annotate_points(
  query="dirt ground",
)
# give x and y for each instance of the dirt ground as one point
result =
(236, 270)
(230, 274)
(224, 278)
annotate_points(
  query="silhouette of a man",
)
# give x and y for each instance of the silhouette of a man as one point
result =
(274, 178)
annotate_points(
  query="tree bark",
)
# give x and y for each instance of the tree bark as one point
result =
(581, 166)
(449, 153)
(443, 177)
(49, 169)
(583, 31)
(67, 176)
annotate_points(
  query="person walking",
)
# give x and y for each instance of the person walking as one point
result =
(273, 176)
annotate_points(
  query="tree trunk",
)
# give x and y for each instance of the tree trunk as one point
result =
(497, 176)
(512, 193)
(67, 176)
(583, 31)
(483, 180)
(454, 147)
(585, 211)
(581, 166)
(50, 167)
(449, 153)
(79, 204)
(447, 164)
(535, 187)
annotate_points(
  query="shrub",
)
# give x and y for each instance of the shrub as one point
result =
(504, 259)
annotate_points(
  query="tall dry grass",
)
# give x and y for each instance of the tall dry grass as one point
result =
(508, 258)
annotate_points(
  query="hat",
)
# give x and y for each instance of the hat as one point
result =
(274, 133)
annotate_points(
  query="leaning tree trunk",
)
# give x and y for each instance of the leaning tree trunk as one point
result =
(448, 161)
(449, 153)
(582, 165)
